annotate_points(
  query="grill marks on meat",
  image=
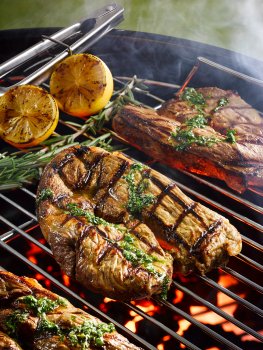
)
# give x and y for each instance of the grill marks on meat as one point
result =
(66, 316)
(96, 253)
(197, 237)
(239, 164)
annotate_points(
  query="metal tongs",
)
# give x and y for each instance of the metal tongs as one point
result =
(75, 38)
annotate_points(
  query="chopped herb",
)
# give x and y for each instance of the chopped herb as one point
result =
(88, 333)
(137, 199)
(84, 335)
(230, 136)
(14, 320)
(45, 194)
(138, 257)
(195, 98)
(41, 305)
(221, 103)
(165, 287)
(198, 121)
(186, 138)
(45, 325)
(127, 245)
(134, 255)
(75, 210)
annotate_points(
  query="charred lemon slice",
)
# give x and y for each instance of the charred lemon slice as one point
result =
(82, 84)
(28, 116)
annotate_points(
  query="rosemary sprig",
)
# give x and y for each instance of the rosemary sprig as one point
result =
(17, 170)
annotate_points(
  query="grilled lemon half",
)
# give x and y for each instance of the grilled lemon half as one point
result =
(28, 116)
(82, 84)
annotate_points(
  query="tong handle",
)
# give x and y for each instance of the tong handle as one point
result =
(105, 20)
(22, 57)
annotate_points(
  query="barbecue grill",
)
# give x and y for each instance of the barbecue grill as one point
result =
(221, 310)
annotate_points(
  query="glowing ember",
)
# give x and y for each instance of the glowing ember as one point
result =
(131, 325)
(183, 326)
(66, 280)
(165, 339)
(178, 297)
(147, 306)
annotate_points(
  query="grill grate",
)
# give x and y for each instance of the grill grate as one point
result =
(241, 291)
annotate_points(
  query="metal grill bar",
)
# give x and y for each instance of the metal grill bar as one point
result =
(232, 295)
(244, 279)
(17, 206)
(225, 192)
(26, 235)
(162, 326)
(204, 328)
(220, 312)
(5, 236)
(250, 261)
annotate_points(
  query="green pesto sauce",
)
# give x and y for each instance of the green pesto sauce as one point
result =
(186, 138)
(83, 335)
(137, 200)
(184, 135)
(75, 210)
(14, 320)
(41, 306)
(136, 256)
(88, 333)
(38, 307)
(198, 121)
(193, 97)
(127, 245)
(165, 286)
(45, 194)
(46, 326)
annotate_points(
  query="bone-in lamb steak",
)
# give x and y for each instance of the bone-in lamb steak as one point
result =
(208, 131)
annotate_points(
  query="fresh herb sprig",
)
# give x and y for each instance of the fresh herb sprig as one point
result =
(18, 169)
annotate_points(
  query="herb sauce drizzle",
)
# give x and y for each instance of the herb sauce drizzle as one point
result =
(85, 334)
(46, 193)
(127, 245)
(137, 198)
(184, 135)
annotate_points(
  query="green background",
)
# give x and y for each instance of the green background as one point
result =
(232, 24)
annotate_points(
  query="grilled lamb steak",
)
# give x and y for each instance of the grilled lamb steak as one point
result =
(208, 131)
(41, 320)
(129, 194)
(89, 231)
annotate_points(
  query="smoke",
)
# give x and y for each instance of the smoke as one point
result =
(231, 24)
